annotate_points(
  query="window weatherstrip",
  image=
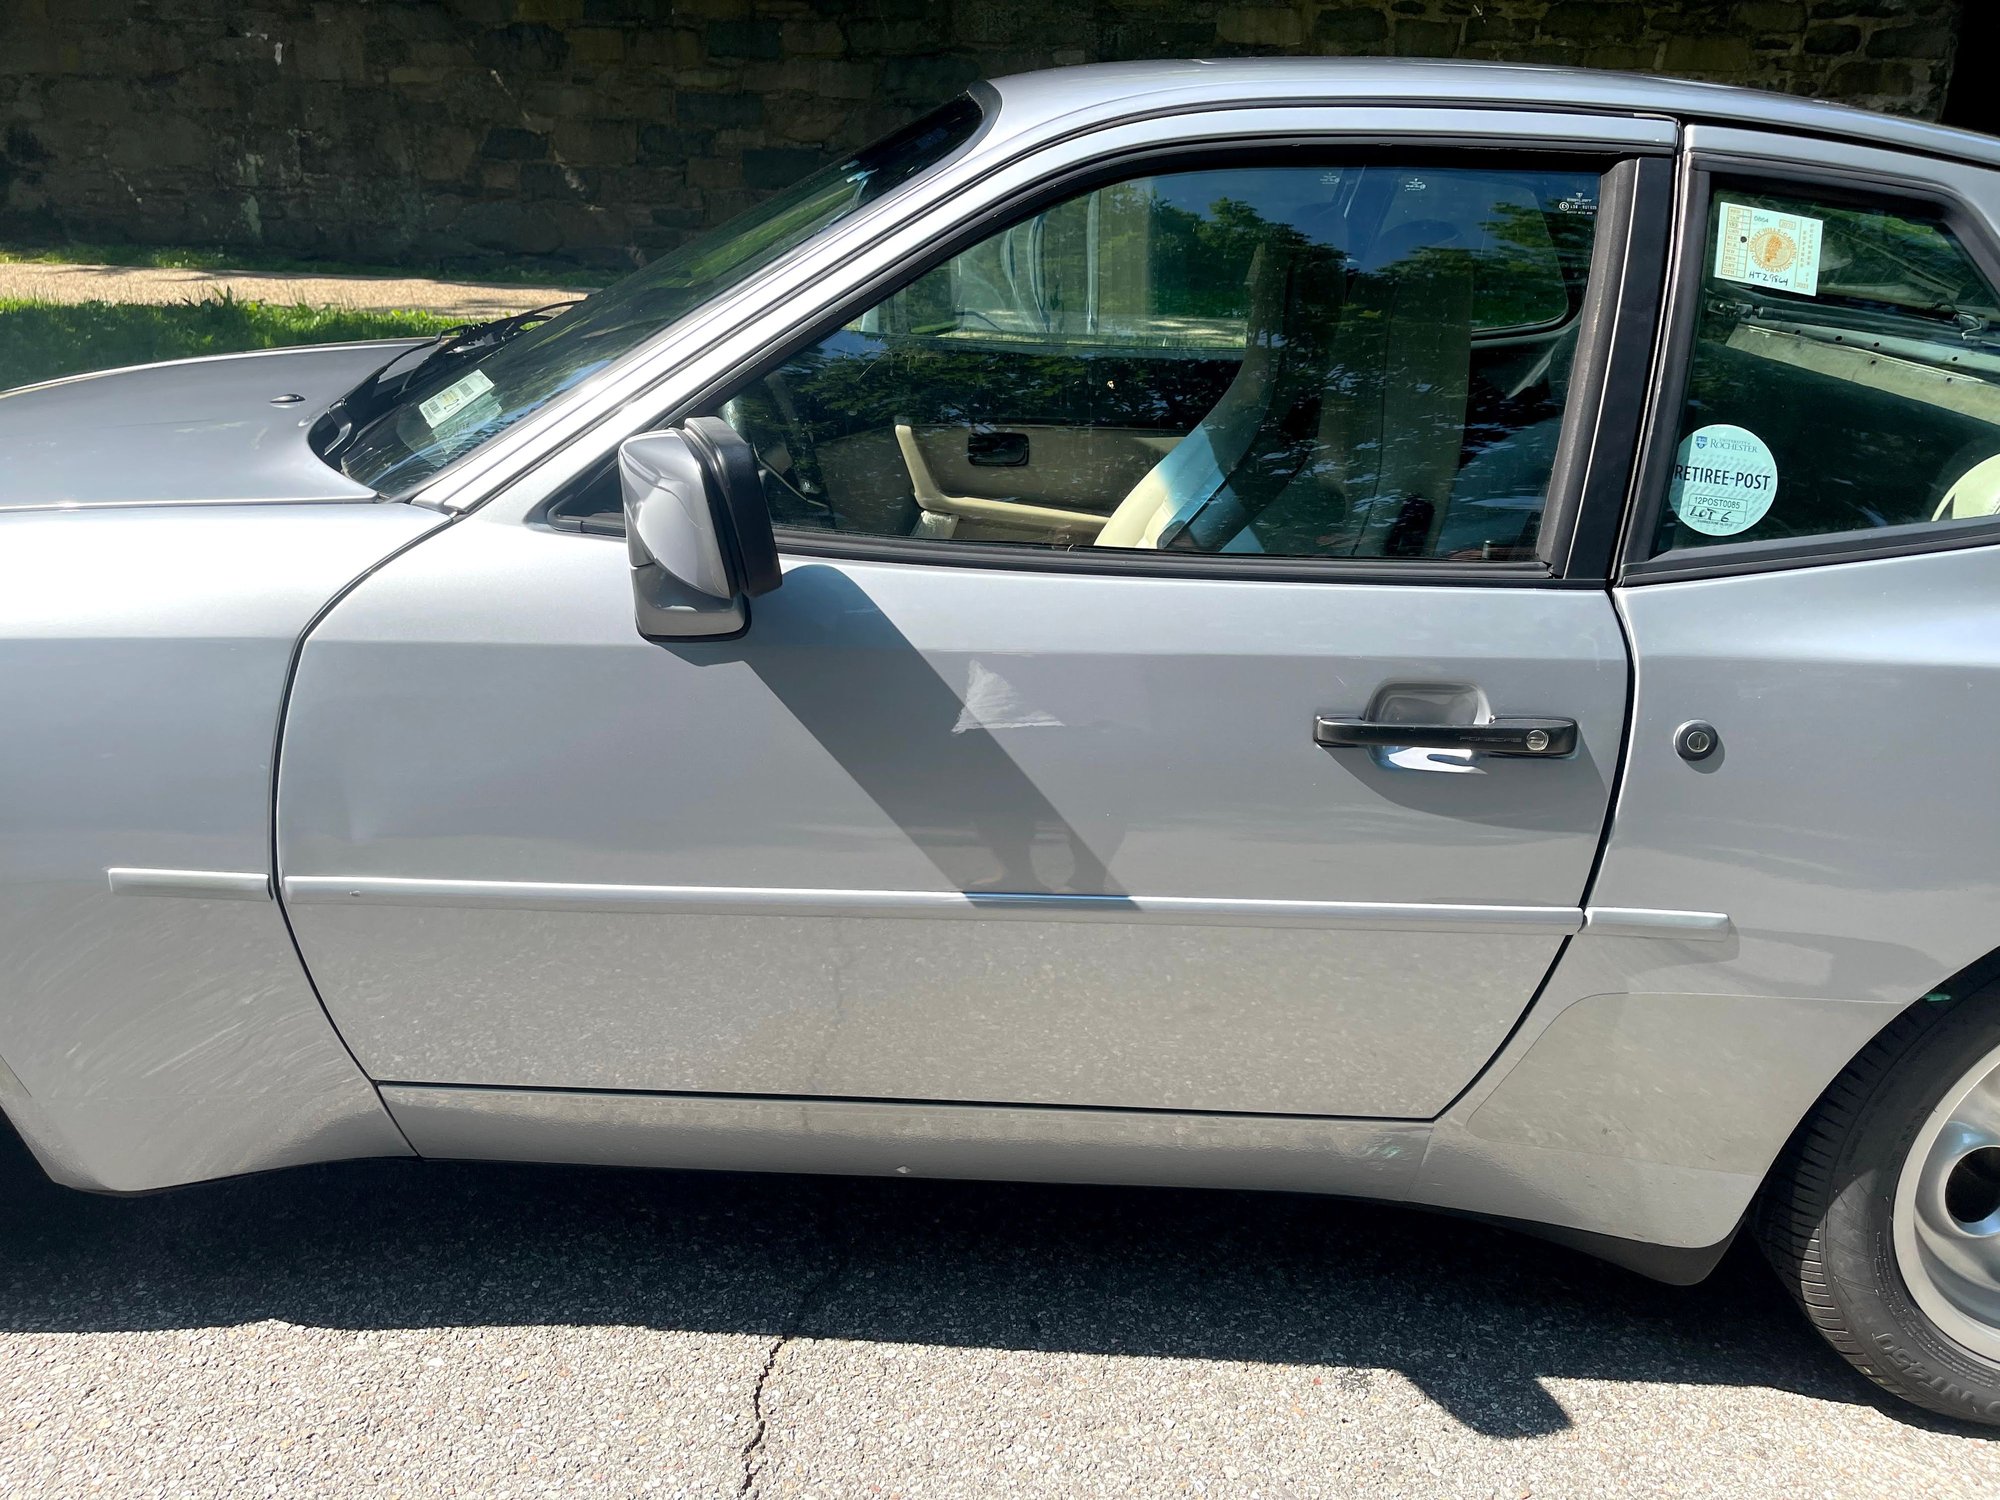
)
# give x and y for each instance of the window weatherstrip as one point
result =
(1146, 563)
(1602, 430)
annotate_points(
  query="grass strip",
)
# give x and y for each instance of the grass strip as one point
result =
(44, 340)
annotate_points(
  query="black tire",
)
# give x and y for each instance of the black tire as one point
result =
(1824, 1216)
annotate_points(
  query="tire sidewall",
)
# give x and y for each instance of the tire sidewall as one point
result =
(1898, 1341)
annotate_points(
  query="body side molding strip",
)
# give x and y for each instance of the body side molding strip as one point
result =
(1639, 921)
(212, 885)
(1189, 911)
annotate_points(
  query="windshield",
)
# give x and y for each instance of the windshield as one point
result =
(446, 412)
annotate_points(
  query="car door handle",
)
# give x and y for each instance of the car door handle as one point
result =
(1539, 739)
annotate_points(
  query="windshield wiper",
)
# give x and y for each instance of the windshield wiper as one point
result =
(382, 390)
(475, 338)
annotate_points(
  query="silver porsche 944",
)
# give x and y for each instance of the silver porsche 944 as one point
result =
(1424, 632)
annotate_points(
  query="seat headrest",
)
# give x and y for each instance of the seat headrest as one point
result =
(1975, 493)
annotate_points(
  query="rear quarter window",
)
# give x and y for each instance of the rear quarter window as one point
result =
(1844, 377)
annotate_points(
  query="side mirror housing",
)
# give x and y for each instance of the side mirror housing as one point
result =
(696, 529)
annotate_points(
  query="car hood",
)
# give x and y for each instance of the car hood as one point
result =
(188, 431)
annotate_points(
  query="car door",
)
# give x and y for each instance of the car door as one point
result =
(1013, 818)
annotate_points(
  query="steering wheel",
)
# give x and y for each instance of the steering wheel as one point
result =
(777, 416)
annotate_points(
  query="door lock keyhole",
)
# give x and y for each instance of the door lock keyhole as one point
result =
(1696, 740)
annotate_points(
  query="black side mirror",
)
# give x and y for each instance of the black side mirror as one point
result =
(697, 530)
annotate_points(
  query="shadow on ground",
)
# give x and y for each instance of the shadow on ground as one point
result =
(1476, 1317)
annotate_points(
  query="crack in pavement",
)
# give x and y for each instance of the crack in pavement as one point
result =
(810, 1300)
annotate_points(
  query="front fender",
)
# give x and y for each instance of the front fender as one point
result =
(164, 1032)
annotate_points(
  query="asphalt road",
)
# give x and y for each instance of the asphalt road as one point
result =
(435, 1329)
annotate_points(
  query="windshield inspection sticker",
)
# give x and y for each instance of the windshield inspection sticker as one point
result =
(453, 399)
(1761, 248)
(1724, 480)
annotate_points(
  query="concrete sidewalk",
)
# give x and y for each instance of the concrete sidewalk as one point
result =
(90, 283)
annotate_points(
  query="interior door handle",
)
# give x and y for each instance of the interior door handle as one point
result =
(996, 450)
(1538, 739)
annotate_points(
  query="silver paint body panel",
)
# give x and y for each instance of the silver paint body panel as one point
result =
(1368, 1158)
(154, 1041)
(692, 868)
(994, 845)
(1848, 828)
(192, 432)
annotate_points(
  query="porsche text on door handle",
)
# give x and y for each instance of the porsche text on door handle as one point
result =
(1540, 739)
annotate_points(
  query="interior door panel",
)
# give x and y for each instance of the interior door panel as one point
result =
(1064, 500)
(1070, 468)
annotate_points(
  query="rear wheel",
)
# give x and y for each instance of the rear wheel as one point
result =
(1884, 1214)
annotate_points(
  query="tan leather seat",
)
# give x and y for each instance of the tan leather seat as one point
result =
(1977, 493)
(1392, 425)
(1200, 463)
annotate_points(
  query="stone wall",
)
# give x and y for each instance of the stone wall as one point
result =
(603, 131)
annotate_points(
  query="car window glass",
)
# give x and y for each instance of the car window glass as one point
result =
(1335, 360)
(1845, 376)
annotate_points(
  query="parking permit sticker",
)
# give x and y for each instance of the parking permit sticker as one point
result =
(453, 399)
(1724, 480)
(1759, 247)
